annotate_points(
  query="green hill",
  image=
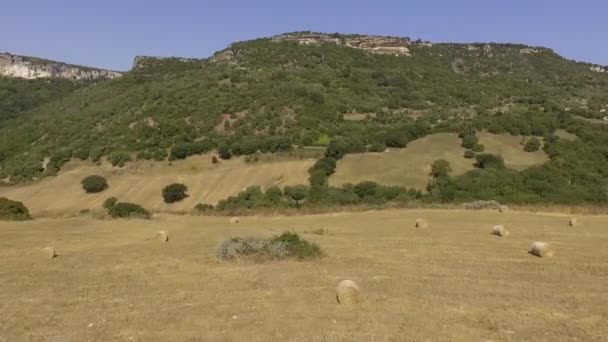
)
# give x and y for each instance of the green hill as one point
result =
(273, 94)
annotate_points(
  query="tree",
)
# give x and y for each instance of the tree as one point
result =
(487, 160)
(469, 154)
(128, 210)
(336, 149)
(296, 192)
(440, 168)
(224, 151)
(479, 148)
(469, 141)
(109, 203)
(366, 189)
(13, 210)
(174, 192)
(532, 145)
(94, 184)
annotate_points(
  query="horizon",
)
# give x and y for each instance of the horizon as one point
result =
(107, 35)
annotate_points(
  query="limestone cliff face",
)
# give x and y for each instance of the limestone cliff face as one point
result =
(375, 44)
(32, 68)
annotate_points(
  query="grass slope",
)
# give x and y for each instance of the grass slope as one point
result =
(410, 166)
(142, 183)
(451, 282)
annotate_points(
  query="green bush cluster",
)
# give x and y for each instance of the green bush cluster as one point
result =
(94, 184)
(13, 210)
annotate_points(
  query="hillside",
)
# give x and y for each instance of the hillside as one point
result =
(309, 89)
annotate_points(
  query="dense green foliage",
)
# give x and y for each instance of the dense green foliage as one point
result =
(13, 210)
(128, 210)
(174, 192)
(271, 96)
(94, 184)
(18, 95)
(532, 145)
(110, 202)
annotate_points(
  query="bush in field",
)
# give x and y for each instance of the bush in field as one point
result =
(119, 158)
(469, 141)
(532, 145)
(469, 154)
(174, 192)
(440, 168)
(296, 192)
(94, 184)
(479, 148)
(203, 207)
(287, 245)
(109, 203)
(128, 210)
(487, 160)
(13, 210)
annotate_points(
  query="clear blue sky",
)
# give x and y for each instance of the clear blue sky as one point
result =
(109, 33)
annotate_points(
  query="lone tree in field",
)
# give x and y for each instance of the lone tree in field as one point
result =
(440, 168)
(174, 192)
(94, 184)
(469, 141)
(532, 145)
(13, 210)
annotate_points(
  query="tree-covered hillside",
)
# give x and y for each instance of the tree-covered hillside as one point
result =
(271, 95)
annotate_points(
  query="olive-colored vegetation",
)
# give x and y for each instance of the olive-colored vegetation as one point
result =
(13, 210)
(275, 96)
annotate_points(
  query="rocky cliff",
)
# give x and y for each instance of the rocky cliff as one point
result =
(32, 68)
(374, 44)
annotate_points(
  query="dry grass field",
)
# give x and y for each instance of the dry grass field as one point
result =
(142, 182)
(450, 282)
(411, 166)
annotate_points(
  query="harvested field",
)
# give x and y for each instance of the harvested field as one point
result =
(142, 182)
(454, 282)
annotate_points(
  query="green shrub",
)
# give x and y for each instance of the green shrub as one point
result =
(128, 210)
(479, 148)
(13, 210)
(119, 158)
(109, 203)
(469, 154)
(174, 192)
(532, 145)
(469, 141)
(440, 168)
(203, 207)
(487, 160)
(94, 184)
(287, 245)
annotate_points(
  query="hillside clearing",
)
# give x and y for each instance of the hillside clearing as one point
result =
(454, 281)
(142, 182)
(411, 166)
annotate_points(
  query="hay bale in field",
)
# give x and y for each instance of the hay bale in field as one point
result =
(573, 222)
(500, 230)
(235, 220)
(49, 252)
(421, 223)
(347, 292)
(542, 249)
(162, 236)
(503, 209)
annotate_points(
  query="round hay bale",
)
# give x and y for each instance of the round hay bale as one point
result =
(421, 223)
(347, 292)
(573, 222)
(499, 230)
(162, 236)
(235, 220)
(49, 252)
(542, 249)
(503, 209)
